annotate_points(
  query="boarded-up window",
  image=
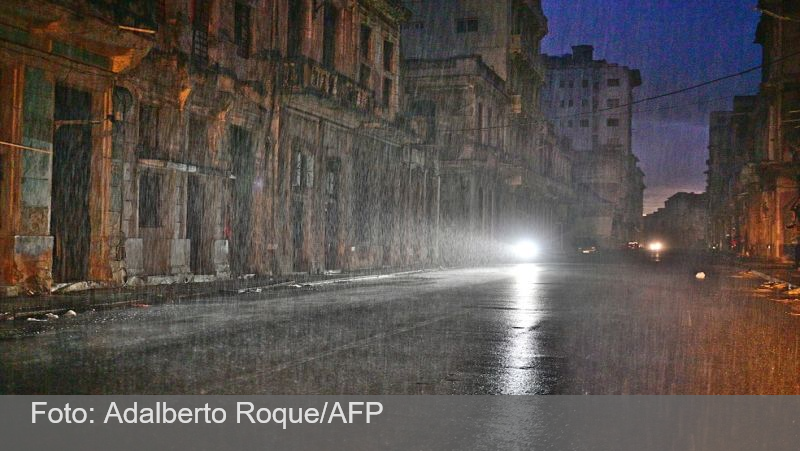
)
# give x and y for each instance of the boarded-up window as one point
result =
(149, 199)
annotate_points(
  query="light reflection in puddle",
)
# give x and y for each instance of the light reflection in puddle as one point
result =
(520, 377)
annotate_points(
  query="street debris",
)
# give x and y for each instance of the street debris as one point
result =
(787, 301)
(70, 314)
(140, 305)
(77, 286)
(6, 316)
(700, 275)
(135, 282)
(36, 320)
(745, 275)
(50, 315)
(767, 287)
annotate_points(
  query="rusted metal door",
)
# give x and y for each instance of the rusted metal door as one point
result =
(242, 198)
(72, 149)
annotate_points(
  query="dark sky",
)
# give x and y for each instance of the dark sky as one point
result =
(675, 43)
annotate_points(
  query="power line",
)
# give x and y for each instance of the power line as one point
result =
(635, 102)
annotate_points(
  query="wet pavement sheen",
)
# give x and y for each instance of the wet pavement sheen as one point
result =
(600, 326)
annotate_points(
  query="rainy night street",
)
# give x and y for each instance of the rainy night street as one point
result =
(598, 325)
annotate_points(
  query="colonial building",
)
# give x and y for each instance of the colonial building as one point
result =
(194, 140)
(754, 151)
(440, 93)
(62, 172)
(589, 101)
(352, 189)
(474, 77)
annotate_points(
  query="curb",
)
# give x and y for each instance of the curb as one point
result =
(59, 309)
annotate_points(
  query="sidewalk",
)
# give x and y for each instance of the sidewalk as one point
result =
(21, 307)
(773, 271)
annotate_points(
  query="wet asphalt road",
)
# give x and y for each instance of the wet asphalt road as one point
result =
(594, 325)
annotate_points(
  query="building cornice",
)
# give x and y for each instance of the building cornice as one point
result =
(391, 10)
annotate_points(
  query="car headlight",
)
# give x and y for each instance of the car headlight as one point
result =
(656, 246)
(525, 250)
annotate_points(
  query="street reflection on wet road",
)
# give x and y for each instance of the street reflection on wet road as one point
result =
(606, 326)
(522, 349)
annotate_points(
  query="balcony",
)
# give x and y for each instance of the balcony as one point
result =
(98, 33)
(520, 47)
(305, 76)
(142, 14)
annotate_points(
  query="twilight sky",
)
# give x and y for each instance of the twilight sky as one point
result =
(675, 43)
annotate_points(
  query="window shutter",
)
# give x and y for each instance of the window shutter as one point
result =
(309, 167)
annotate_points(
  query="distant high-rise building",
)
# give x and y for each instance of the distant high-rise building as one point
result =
(589, 102)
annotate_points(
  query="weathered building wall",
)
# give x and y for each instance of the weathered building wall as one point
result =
(681, 224)
(753, 171)
(193, 128)
(60, 172)
(353, 184)
(449, 103)
(474, 80)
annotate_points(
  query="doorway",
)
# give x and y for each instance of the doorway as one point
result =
(195, 210)
(242, 197)
(329, 29)
(72, 151)
(297, 27)
(332, 214)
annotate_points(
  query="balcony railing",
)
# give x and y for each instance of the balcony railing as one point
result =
(305, 76)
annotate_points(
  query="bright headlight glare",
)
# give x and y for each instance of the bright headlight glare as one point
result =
(525, 250)
(655, 246)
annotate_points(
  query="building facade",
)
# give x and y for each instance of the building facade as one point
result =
(754, 150)
(197, 140)
(474, 79)
(681, 224)
(589, 102)
(732, 147)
